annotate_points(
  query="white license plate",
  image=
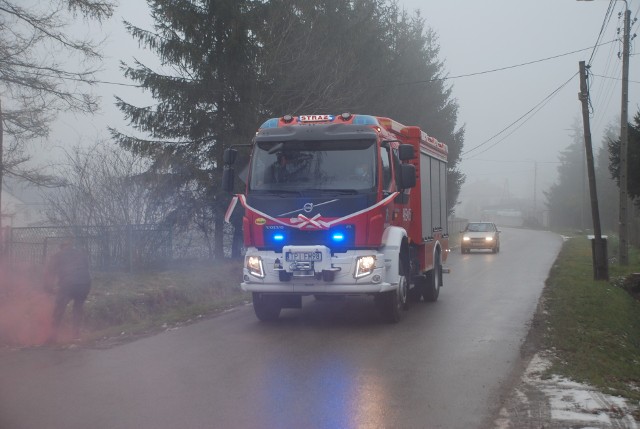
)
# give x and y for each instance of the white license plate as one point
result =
(303, 256)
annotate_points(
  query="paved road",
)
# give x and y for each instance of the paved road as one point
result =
(329, 365)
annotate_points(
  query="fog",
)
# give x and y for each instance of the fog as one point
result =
(512, 66)
(483, 36)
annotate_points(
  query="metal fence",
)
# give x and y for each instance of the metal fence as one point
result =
(126, 247)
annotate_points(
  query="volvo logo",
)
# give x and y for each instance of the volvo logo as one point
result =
(308, 207)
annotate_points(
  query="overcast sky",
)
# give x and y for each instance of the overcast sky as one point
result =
(474, 37)
(477, 36)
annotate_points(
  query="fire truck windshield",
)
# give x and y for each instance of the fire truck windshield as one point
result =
(314, 165)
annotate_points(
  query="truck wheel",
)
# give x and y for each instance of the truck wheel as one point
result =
(434, 279)
(266, 307)
(403, 293)
(390, 304)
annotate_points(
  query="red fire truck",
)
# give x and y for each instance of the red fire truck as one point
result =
(339, 205)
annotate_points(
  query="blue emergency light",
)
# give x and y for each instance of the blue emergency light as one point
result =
(337, 237)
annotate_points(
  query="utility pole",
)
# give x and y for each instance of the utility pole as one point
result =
(1, 174)
(535, 186)
(623, 250)
(598, 244)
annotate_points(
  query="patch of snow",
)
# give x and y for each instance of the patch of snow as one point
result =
(563, 401)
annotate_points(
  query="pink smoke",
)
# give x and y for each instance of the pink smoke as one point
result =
(25, 307)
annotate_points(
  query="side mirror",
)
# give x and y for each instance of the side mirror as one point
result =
(406, 152)
(407, 176)
(229, 156)
(228, 178)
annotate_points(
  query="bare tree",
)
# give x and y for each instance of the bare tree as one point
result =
(105, 185)
(44, 69)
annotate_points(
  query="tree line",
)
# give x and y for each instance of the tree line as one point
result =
(568, 199)
(236, 63)
(233, 64)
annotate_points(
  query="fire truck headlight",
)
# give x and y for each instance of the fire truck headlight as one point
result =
(254, 265)
(489, 238)
(465, 238)
(365, 265)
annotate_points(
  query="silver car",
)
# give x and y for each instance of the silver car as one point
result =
(480, 235)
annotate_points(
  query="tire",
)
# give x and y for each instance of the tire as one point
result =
(494, 250)
(266, 307)
(403, 293)
(390, 304)
(433, 282)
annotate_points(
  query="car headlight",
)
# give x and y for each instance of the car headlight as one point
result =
(489, 238)
(365, 265)
(254, 265)
(465, 238)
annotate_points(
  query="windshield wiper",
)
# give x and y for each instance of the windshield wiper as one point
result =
(279, 192)
(334, 191)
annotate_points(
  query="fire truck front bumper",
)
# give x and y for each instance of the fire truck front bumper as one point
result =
(303, 270)
(317, 288)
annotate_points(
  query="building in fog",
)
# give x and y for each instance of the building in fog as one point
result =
(21, 206)
(485, 201)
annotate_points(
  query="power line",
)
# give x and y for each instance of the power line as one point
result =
(605, 23)
(607, 88)
(104, 82)
(512, 161)
(528, 115)
(613, 78)
(508, 67)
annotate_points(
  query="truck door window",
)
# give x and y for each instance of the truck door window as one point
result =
(386, 168)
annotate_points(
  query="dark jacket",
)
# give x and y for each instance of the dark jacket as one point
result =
(71, 267)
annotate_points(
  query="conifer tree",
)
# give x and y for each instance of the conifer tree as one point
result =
(633, 160)
(206, 104)
(365, 56)
(237, 63)
(568, 198)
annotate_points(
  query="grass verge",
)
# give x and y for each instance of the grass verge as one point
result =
(593, 327)
(137, 303)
